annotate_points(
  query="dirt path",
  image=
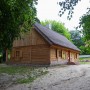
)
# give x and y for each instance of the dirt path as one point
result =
(60, 78)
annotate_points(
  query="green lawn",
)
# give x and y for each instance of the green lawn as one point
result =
(14, 70)
(83, 60)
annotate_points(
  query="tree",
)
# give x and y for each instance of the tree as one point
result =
(58, 27)
(16, 16)
(76, 38)
(84, 50)
(85, 23)
(68, 5)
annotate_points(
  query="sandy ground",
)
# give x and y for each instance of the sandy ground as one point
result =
(74, 77)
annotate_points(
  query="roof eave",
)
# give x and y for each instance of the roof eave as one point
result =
(67, 47)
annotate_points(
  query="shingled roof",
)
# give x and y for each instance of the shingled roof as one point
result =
(54, 38)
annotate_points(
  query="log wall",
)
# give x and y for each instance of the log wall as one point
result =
(30, 38)
(37, 54)
(53, 54)
(32, 49)
(21, 54)
(40, 55)
(62, 54)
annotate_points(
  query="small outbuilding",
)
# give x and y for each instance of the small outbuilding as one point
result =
(42, 46)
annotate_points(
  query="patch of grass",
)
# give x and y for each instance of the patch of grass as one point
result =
(81, 59)
(84, 60)
(31, 79)
(41, 72)
(28, 80)
(26, 74)
(14, 69)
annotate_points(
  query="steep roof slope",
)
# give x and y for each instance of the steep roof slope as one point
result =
(54, 38)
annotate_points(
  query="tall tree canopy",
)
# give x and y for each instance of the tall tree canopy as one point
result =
(85, 23)
(15, 16)
(58, 27)
(79, 41)
(76, 38)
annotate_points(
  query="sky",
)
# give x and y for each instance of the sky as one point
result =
(49, 9)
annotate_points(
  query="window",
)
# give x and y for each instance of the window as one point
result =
(17, 53)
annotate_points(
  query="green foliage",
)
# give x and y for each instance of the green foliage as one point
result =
(67, 5)
(15, 16)
(58, 27)
(79, 41)
(85, 23)
(84, 50)
(76, 38)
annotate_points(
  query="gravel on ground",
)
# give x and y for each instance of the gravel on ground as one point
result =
(73, 77)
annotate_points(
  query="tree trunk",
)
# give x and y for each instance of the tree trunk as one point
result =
(4, 56)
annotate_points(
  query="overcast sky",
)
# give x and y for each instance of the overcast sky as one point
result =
(48, 10)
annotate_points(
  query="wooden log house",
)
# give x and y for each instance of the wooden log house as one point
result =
(42, 46)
